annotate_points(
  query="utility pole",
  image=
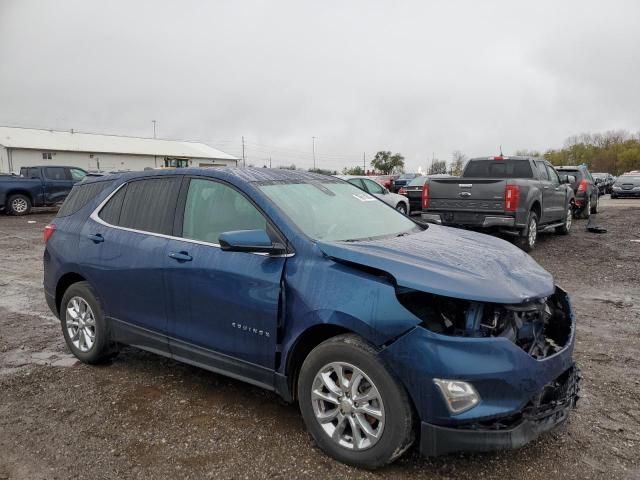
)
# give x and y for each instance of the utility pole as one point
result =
(154, 128)
(313, 139)
(364, 163)
(269, 161)
(244, 163)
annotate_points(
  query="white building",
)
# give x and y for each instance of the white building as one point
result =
(20, 147)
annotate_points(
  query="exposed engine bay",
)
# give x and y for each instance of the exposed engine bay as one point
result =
(541, 327)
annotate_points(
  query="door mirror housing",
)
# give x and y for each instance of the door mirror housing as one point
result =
(254, 241)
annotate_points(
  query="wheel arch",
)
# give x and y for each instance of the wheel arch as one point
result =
(536, 208)
(304, 344)
(19, 191)
(63, 284)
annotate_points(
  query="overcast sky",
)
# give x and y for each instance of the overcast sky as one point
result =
(414, 77)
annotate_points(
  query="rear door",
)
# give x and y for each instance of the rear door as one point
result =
(123, 247)
(549, 204)
(224, 305)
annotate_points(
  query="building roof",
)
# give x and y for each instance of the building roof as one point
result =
(69, 141)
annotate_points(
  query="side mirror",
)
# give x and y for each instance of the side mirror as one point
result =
(571, 178)
(385, 191)
(255, 241)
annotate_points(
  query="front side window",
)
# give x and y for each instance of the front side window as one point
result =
(337, 211)
(149, 205)
(56, 173)
(77, 174)
(213, 208)
(373, 187)
(553, 175)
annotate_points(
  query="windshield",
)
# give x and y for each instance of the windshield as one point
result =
(337, 211)
(628, 179)
(498, 169)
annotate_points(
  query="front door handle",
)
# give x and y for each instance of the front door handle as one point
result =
(96, 237)
(181, 256)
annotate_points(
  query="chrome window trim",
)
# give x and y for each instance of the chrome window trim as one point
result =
(96, 218)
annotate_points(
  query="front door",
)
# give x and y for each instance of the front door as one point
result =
(224, 306)
(58, 183)
(559, 194)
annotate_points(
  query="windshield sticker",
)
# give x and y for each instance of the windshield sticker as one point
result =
(363, 197)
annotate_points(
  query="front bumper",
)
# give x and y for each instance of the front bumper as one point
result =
(509, 433)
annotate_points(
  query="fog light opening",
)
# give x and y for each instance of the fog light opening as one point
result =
(459, 396)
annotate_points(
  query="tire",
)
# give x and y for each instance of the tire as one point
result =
(91, 350)
(586, 210)
(526, 241)
(594, 209)
(568, 220)
(395, 425)
(402, 208)
(613, 195)
(18, 204)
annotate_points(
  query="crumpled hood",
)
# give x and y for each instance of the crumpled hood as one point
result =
(451, 262)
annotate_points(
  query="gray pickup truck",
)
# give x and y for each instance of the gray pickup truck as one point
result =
(519, 196)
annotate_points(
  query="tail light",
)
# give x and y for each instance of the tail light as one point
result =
(511, 198)
(582, 187)
(48, 232)
(425, 196)
(402, 191)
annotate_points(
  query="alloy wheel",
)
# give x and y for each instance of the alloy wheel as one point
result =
(19, 205)
(348, 406)
(569, 220)
(81, 324)
(533, 232)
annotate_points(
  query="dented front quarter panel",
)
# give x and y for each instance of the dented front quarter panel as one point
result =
(504, 375)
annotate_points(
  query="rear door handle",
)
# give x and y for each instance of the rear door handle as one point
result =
(181, 256)
(96, 237)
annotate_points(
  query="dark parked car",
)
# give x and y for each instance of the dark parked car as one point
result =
(518, 196)
(604, 181)
(37, 187)
(585, 188)
(413, 192)
(627, 185)
(403, 180)
(383, 330)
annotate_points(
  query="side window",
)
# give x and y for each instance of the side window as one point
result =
(110, 213)
(553, 175)
(212, 208)
(80, 196)
(77, 174)
(55, 173)
(149, 205)
(357, 182)
(542, 170)
(373, 187)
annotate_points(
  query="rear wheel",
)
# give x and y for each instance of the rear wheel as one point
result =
(613, 195)
(402, 208)
(355, 409)
(84, 326)
(18, 204)
(528, 238)
(568, 220)
(596, 207)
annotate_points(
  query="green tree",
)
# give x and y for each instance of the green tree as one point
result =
(353, 171)
(323, 171)
(387, 163)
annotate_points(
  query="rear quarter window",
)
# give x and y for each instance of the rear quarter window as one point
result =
(81, 195)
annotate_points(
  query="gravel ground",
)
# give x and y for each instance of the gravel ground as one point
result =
(144, 416)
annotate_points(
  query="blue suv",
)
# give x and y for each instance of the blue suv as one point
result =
(384, 330)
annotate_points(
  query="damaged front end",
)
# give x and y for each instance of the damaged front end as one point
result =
(541, 327)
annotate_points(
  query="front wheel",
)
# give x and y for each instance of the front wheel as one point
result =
(528, 238)
(354, 408)
(566, 227)
(402, 208)
(596, 207)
